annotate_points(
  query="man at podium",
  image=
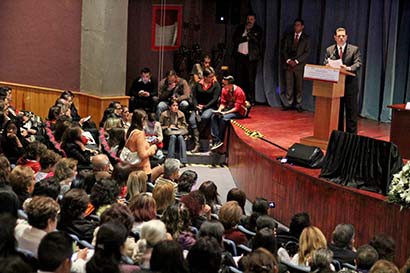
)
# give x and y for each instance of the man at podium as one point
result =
(351, 61)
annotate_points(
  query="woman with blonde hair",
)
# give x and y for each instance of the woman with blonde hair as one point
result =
(152, 232)
(164, 196)
(65, 172)
(230, 215)
(136, 183)
(311, 239)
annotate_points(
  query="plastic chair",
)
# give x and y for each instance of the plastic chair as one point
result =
(21, 214)
(234, 270)
(246, 231)
(230, 246)
(243, 249)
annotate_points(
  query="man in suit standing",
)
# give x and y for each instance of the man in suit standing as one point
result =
(247, 45)
(295, 50)
(350, 55)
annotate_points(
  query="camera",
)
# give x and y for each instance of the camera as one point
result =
(272, 204)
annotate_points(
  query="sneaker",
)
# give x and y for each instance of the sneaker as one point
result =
(217, 145)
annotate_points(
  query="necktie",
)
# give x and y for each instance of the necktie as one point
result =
(296, 40)
(341, 52)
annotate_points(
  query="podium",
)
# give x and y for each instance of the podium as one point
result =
(328, 88)
(399, 129)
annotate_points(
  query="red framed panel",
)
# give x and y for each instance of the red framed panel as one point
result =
(172, 14)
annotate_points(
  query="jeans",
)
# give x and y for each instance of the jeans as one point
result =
(205, 117)
(219, 123)
(163, 106)
(182, 147)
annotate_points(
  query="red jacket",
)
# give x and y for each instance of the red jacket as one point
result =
(236, 99)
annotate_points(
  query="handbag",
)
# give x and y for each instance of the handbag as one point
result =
(128, 156)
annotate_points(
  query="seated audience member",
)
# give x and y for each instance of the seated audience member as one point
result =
(143, 92)
(116, 140)
(119, 213)
(111, 238)
(152, 232)
(237, 195)
(384, 266)
(164, 195)
(9, 202)
(104, 193)
(112, 123)
(136, 142)
(210, 192)
(230, 215)
(205, 96)
(13, 144)
(406, 267)
(232, 106)
(126, 117)
(60, 126)
(265, 238)
(366, 258)
(261, 261)
(101, 166)
(73, 146)
(108, 113)
(259, 207)
(54, 113)
(172, 87)
(199, 68)
(175, 128)
(384, 245)
(54, 253)
(311, 239)
(32, 155)
(178, 222)
(205, 256)
(5, 170)
(198, 209)
(120, 174)
(298, 222)
(167, 257)
(266, 221)
(116, 105)
(8, 243)
(143, 208)
(49, 187)
(22, 181)
(42, 218)
(136, 183)
(321, 261)
(73, 207)
(171, 173)
(186, 181)
(48, 161)
(153, 133)
(65, 172)
(342, 244)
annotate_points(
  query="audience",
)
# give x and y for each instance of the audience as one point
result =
(230, 215)
(54, 253)
(110, 207)
(42, 218)
(342, 244)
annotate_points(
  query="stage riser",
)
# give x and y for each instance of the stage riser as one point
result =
(327, 203)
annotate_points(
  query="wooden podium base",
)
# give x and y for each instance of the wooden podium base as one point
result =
(314, 141)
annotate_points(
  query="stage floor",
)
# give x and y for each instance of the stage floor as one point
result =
(287, 127)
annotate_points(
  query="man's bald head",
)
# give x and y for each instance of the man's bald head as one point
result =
(100, 162)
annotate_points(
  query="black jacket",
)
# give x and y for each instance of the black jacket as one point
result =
(254, 38)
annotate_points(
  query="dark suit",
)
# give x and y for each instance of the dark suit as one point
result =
(295, 51)
(246, 65)
(351, 58)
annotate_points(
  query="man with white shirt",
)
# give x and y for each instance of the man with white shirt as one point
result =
(295, 52)
(247, 45)
(42, 218)
(350, 56)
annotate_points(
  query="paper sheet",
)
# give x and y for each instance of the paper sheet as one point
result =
(335, 63)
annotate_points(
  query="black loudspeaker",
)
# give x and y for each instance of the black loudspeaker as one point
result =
(228, 11)
(305, 156)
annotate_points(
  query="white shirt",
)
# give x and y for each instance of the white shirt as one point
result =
(243, 47)
(28, 237)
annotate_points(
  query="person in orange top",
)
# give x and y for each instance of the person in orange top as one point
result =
(136, 142)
